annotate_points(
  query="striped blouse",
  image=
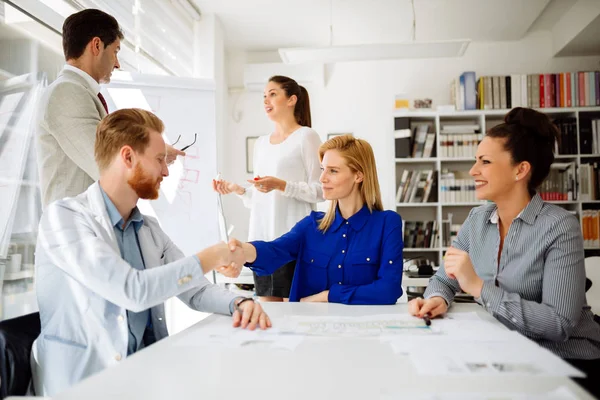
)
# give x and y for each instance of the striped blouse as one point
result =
(538, 289)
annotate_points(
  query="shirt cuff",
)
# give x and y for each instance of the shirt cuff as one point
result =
(290, 189)
(336, 295)
(197, 259)
(243, 195)
(232, 304)
(448, 301)
(491, 296)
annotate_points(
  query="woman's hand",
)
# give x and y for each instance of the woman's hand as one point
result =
(266, 184)
(457, 265)
(322, 297)
(434, 306)
(225, 187)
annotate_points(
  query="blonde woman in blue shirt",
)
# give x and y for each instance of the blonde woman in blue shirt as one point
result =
(351, 254)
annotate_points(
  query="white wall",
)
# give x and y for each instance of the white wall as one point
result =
(359, 96)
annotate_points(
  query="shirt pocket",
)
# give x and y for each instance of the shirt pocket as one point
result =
(363, 267)
(313, 278)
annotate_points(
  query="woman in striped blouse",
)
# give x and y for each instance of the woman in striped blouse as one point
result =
(522, 259)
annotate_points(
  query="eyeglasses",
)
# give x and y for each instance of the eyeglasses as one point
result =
(189, 145)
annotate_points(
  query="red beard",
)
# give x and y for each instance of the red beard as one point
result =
(143, 185)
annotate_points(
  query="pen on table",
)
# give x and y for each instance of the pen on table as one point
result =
(427, 319)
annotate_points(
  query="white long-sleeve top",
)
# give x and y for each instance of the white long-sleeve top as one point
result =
(296, 161)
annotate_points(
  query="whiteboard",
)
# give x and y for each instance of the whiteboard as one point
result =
(187, 206)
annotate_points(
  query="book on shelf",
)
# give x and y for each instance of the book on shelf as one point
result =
(548, 90)
(560, 185)
(416, 186)
(567, 143)
(449, 232)
(589, 181)
(420, 234)
(459, 145)
(590, 227)
(420, 139)
(589, 135)
(457, 187)
(413, 140)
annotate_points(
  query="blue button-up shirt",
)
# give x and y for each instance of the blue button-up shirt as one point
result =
(130, 251)
(359, 260)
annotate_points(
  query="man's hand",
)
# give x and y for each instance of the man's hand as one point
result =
(322, 297)
(234, 269)
(434, 306)
(222, 255)
(266, 184)
(457, 265)
(250, 316)
(172, 154)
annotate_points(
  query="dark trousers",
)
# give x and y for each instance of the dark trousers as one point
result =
(278, 284)
(592, 369)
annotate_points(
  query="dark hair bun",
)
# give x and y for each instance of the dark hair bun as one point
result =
(533, 122)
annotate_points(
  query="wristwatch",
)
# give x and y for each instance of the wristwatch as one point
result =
(237, 305)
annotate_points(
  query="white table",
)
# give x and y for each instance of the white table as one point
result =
(340, 368)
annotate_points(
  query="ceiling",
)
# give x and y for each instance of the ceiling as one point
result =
(585, 43)
(263, 25)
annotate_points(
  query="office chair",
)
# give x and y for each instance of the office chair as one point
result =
(592, 287)
(16, 338)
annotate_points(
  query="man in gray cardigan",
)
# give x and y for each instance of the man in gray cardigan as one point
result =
(72, 106)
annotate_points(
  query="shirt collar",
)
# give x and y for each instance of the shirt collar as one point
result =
(356, 222)
(136, 218)
(528, 214)
(95, 86)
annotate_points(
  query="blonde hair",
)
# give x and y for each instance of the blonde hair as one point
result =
(127, 127)
(359, 157)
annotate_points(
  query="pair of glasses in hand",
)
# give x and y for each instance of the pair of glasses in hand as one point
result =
(188, 146)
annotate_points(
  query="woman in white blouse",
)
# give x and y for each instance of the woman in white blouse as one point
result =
(286, 184)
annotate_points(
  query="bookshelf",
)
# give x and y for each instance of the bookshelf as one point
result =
(437, 207)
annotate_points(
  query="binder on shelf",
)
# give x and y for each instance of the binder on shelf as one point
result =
(402, 143)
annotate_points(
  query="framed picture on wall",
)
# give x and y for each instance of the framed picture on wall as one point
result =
(250, 141)
(330, 135)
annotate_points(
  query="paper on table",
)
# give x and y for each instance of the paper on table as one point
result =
(454, 326)
(235, 337)
(509, 354)
(374, 325)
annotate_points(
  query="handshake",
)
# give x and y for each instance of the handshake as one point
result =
(227, 258)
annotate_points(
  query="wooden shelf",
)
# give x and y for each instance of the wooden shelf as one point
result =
(458, 159)
(416, 204)
(420, 249)
(565, 156)
(13, 276)
(467, 204)
(415, 160)
(426, 113)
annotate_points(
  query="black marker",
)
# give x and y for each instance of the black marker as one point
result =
(427, 319)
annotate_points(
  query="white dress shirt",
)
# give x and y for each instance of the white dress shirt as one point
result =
(95, 86)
